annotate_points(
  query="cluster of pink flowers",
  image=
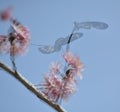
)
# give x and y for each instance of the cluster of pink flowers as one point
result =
(17, 41)
(21, 38)
(57, 85)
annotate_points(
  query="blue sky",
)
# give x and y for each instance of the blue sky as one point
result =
(99, 91)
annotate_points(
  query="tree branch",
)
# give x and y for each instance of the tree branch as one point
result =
(31, 87)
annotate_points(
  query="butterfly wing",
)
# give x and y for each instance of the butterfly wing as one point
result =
(47, 49)
(90, 24)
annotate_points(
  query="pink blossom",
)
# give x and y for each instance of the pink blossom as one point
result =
(56, 88)
(20, 38)
(74, 62)
(68, 89)
(22, 31)
(51, 87)
(4, 45)
(55, 68)
(6, 14)
(16, 43)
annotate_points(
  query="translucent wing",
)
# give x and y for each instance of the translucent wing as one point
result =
(90, 24)
(47, 49)
(63, 41)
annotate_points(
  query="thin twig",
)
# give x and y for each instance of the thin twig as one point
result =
(31, 87)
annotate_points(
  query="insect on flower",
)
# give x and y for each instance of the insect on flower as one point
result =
(74, 62)
(59, 86)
